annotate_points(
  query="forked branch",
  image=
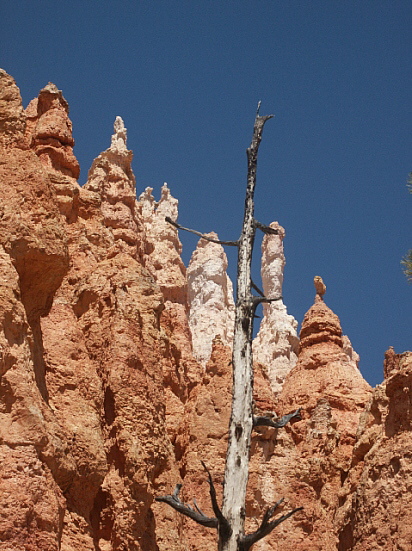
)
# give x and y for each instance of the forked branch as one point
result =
(185, 509)
(202, 235)
(196, 513)
(266, 526)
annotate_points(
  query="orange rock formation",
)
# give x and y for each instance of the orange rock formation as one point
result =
(103, 404)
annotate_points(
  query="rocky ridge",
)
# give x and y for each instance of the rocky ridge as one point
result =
(111, 391)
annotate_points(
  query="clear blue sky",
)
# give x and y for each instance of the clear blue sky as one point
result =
(186, 77)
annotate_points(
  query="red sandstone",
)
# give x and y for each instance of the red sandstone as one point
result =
(103, 405)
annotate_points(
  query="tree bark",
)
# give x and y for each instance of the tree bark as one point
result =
(241, 421)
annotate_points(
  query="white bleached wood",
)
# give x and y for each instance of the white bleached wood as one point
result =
(241, 422)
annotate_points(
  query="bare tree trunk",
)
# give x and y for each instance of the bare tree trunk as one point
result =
(230, 520)
(241, 422)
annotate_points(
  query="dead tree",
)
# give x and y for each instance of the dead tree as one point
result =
(229, 520)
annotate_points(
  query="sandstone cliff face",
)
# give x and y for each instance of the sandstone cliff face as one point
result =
(113, 388)
(376, 496)
(112, 401)
(83, 417)
(34, 260)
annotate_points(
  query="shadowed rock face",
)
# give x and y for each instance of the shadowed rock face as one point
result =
(376, 515)
(104, 403)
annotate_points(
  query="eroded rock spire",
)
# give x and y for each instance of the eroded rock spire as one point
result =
(163, 247)
(119, 138)
(49, 131)
(12, 118)
(276, 344)
(111, 178)
(210, 298)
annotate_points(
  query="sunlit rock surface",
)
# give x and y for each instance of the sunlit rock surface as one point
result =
(103, 405)
(317, 451)
(376, 495)
(210, 298)
(276, 344)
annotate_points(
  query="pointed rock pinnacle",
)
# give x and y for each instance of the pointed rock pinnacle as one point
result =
(119, 138)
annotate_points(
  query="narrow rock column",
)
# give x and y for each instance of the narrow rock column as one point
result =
(210, 298)
(111, 178)
(48, 133)
(51, 131)
(163, 247)
(276, 344)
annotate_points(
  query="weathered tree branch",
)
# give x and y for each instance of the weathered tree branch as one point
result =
(202, 235)
(262, 299)
(265, 527)
(187, 510)
(230, 519)
(263, 421)
(265, 229)
(256, 288)
(224, 528)
(259, 300)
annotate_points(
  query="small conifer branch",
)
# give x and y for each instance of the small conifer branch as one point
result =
(202, 235)
(187, 510)
(264, 421)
